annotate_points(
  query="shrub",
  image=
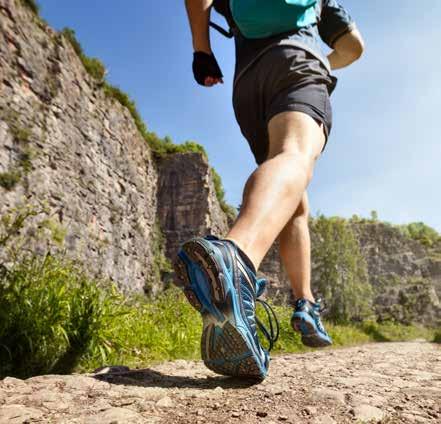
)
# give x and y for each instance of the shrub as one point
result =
(220, 194)
(123, 98)
(70, 35)
(167, 147)
(20, 134)
(8, 180)
(420, 232)
(93, 66)
(341, 270)
(437, 337)
(32, 5)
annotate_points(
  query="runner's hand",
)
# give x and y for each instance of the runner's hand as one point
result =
(206, 70)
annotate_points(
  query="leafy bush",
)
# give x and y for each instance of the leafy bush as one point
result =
(8, 180)
(167, 147)
(437, 337)
(420, 232)
(93, 66)
(341, 270)
(220, 194)
(19, 133)
(124, 99)
(33, 5)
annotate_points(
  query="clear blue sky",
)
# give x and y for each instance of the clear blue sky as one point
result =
(385, 149)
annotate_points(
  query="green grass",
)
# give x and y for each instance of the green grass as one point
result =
(54, 319)
(437, 337)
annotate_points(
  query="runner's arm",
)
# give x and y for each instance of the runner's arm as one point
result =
(347, 49)
(199, 16)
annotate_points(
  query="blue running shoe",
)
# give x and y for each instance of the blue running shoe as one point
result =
(306, 320)
(221, 284)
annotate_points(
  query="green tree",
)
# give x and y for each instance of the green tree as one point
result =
(421, 232)
(342, 278)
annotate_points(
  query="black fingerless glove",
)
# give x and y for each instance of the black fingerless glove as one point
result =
(205, 65)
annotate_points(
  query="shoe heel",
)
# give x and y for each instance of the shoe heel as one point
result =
(183, 282)
(204, 259)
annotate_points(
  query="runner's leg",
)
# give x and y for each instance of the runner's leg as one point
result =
(274, 191)
(295, 251)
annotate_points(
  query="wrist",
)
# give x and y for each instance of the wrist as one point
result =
(202, 47)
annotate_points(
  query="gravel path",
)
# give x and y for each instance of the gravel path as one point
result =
(389, 383)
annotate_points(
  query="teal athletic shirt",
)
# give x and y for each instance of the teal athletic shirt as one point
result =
(333, 22)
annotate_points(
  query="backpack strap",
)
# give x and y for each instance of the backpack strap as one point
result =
(223, 8)
(223, 31)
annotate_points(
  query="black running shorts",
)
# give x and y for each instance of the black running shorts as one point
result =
(285, 78)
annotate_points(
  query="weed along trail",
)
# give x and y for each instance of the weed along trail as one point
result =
(383, 382)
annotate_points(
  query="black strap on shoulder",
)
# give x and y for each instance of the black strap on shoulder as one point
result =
(223, 8)
(223, 31)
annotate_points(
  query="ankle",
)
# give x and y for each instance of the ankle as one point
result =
(245, 252)
(305, 295)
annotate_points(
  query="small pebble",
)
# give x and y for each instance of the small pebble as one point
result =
(262, 414)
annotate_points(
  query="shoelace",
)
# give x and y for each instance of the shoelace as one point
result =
(317, 308)
(271, 335)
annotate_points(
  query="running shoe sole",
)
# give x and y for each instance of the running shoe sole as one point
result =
(304, 324)
(225, 345)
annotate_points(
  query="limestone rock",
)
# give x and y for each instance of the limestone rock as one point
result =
(367, 413)
(115, 416)
(323, 419)
(165, 402)
(329, 395)
(18, 414)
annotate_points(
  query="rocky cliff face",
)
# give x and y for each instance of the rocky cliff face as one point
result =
(65, 143)
(404, 273)
(187, 203)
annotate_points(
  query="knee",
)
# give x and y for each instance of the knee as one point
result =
(302, 211)
(299, 162)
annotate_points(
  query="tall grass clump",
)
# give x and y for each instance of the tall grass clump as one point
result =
(51, 314)
(165, 328)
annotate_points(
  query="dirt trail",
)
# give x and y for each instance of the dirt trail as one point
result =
(390, 383)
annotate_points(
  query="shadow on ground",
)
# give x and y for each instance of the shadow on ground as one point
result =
(151, 378)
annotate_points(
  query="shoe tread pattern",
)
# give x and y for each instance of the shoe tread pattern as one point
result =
(227, 352)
